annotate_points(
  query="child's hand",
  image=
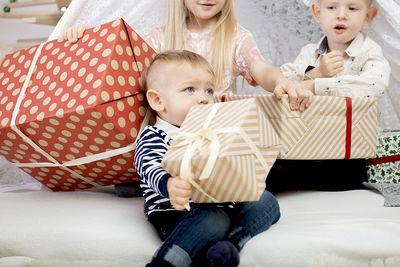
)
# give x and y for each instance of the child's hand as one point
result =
(331, 64)
(179, 191)
(300, 94)
(74, 33)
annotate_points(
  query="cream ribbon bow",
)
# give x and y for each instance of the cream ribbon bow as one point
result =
(198, 141)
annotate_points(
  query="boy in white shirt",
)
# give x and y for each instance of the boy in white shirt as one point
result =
(345, 62)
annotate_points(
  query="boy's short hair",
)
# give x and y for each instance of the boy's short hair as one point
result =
(177, 56)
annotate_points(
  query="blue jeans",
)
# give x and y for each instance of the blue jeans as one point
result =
(188, 236)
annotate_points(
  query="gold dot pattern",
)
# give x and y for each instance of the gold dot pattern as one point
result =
(74, 136)
(13, 70)
(82, 99)
(73, 74)
(14, 149)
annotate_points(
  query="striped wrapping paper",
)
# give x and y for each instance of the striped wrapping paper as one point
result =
(330, 128)
(238, 174)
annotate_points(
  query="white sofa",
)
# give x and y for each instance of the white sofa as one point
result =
(97, 228)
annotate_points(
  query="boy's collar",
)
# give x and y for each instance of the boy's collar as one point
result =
(322, 46)
(352, 50)
(165, 126)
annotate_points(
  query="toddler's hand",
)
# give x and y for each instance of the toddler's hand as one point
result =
(179, 191)
(300, 94)
(331, 64)
(74, 33)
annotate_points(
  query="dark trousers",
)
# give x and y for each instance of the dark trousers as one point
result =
(323, 175)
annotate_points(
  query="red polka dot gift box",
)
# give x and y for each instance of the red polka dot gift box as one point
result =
(70, 113)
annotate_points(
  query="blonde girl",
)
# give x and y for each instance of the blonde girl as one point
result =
(210, 29)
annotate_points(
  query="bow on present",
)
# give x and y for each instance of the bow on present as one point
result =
(206, 141)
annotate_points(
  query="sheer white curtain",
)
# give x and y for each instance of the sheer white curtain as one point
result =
(386, 31)
(142, 15)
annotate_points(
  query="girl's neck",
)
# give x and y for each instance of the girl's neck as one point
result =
(196, 25)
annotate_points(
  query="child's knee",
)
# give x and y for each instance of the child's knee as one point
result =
(271, 204)
(269, 199)
(215, 222)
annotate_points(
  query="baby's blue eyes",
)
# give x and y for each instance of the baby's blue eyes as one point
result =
(189, 90)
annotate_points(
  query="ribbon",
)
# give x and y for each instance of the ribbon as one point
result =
(53, 162)
(384, 159)
(349, 112)
(79, 161)
(198, 141)
(223, 98)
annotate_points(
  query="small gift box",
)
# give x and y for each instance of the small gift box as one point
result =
(330, 128)
(384, 170)
(70, 113)
(230, 153)
(385, 167)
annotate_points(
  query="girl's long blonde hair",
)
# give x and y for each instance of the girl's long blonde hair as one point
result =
(174, 32)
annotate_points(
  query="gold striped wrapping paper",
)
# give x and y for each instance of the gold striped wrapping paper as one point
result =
(238, 175)
(320, 132)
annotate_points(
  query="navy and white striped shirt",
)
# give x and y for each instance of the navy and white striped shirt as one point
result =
(150, 150)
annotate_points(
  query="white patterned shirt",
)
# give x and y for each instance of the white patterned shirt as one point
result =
(366, 71)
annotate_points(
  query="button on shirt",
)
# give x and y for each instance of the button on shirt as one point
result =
(366, 71)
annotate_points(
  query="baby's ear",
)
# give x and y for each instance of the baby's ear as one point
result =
(316, 10)
(155, 100)
(371, 14)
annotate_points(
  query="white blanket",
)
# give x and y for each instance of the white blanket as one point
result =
(89, 228)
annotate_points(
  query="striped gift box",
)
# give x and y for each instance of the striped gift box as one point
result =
(230, 153)
(330, 128)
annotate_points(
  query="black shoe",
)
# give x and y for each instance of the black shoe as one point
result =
(223, 254)
(130, 189)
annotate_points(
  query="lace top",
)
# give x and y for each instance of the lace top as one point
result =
(245, 51)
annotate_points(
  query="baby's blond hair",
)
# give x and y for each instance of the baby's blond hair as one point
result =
(175, 56)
